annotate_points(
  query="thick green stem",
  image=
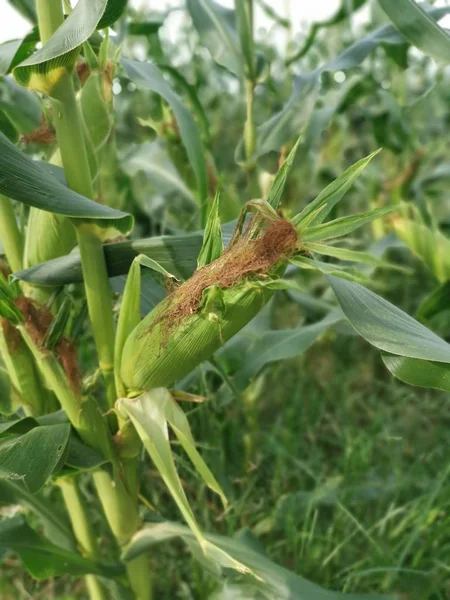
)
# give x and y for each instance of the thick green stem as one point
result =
(69, 133)
(250, 128)
(55, 377)
(120, 511)
(120, 506)
(10, 235)
(83, 532)
(50, 17)
(123, 519)
(99, 298)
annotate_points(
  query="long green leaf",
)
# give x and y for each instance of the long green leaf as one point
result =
(350, 255)
(26, 8)
(24, 180)
(212, 246)
(42, 558)
(332, 194)
(288, 123)
(278, 185)
(344, 225)
(422, 373)
(418, 28)
(273, 581)
(148, 75)
(33, 456)
(431, 246)
(217, 29)
(177, 254)
(56, 526)
(271, 346)
(42, 70)
(148, 415)
(436, 302)
(14, 52)
(21, 106)
(387, 327)
(151, 160)
(343, 12)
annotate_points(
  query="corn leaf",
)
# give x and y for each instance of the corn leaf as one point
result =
(33, 456)
(344, 225)
(387, 327)
(422, 373)
(212, 246)
(177, 254)
(153, 161)
(271, 346)
(24, 180)
(289, 122)
(350, 255)
(194, 100)
(81, 457)
(21, 106)
(42, 558)
(7, 128)
(156, 406)
(42, 70)
(276, 191)
(331, 195)
(26, 8)
(436, 302)
(216, 27)
(429, 245)
(418, 28)
(180, 425)
(272, 581)
(343, 12)
(14, 52)
(303, 262)
(56, 525)
(148, 415)
(148, 75)
(296, 113)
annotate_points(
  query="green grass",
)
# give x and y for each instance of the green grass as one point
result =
(341, 472)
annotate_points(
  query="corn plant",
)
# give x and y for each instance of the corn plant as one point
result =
(79, 424)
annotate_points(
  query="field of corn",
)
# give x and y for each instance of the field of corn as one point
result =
(224, 301)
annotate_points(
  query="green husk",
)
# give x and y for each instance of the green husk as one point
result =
(213, 305)
(154, 356)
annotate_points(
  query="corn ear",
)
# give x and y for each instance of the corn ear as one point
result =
(153, 357)
(24, 376)
(160, 350)
(48, 236)
(129, 315)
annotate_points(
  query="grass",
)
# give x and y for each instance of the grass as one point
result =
(340, 472)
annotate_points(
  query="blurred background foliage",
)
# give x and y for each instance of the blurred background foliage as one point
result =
(339, 469)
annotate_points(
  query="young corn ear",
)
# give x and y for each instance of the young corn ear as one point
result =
(209, 308)
(228, 289)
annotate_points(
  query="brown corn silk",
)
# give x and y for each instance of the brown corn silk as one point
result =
(37, 321)
(178, 334)
(243, 258)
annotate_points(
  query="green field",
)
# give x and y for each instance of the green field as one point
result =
(224, 301)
